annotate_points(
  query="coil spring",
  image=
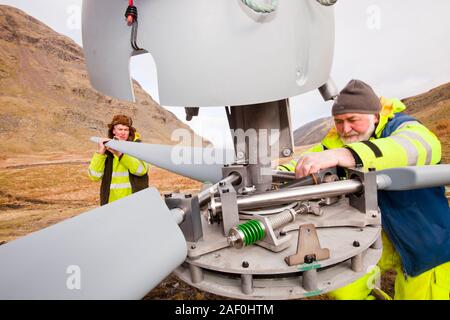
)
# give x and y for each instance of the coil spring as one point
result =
(252, 230)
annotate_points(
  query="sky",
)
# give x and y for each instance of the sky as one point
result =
(401, 48)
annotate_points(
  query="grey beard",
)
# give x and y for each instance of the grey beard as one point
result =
(363, 136)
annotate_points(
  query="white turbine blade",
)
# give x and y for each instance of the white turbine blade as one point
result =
(202, 164)
(408, 178)
(107, 58)
(118, 251)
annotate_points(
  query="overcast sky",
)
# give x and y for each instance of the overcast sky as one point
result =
(401, 48)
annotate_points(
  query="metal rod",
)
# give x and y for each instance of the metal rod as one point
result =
(196, 273)
(278, 197)
(283, 175)
(203, 196)
(302, 182)
(309, 280)
(357, 263)
(247, 283)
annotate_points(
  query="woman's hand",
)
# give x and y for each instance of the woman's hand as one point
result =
(101, 146)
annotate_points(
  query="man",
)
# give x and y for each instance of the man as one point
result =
(121, 174)
(373, 133)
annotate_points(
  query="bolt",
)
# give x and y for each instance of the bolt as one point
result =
(287, 152)
(356, 243)
(193, 246)
(310, 258)
(372, 169)
(221, 183)
(245, 264)
(226, 190)
(168, 195)
(188, 195)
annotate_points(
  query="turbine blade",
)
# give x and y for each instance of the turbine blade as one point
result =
(118, 251)
(408, 178)
(202, 164)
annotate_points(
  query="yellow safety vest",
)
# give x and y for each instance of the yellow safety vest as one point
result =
(120, 181)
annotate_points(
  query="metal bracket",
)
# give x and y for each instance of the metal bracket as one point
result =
(191, 112)
(308, 247)
(241, 170)
(270, 241)
(192, 224)
(367, 201)
(230, 214)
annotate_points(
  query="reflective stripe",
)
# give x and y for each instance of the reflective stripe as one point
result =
(140, 169)
(418, 137)
(120, 186)
(120, 174)
(409, 147)
(95, 173)
(404, 124)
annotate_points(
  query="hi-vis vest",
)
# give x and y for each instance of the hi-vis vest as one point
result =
(417, 222)
(410, 144)
(120, 185)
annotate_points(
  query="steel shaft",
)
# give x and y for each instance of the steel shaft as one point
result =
(278, 197)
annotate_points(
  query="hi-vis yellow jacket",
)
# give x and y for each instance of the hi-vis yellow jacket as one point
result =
(417, 222)
(410, 144)
(120, 185)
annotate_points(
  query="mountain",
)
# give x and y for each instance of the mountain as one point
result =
(432, 108)
(313, 131)
(46, 101)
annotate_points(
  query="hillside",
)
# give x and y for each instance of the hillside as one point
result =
(312, 132)
(47, 104)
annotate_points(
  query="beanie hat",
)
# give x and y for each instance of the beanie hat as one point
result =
(123, 120)
(356, 97)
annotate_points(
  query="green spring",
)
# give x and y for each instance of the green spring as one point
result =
(252, 230)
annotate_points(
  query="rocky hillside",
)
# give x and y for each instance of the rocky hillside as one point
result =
(432, 108)
(46, 101)
(312, 132)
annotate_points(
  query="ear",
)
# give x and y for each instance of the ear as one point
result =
(377, 118)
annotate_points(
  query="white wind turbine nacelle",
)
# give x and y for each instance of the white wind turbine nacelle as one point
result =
(211, 53)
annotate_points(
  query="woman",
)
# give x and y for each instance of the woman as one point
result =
(121, 174)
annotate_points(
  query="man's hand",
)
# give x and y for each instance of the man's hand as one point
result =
(315, 161)
(101, 146)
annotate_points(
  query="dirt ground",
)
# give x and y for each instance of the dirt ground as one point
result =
(35, 194)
